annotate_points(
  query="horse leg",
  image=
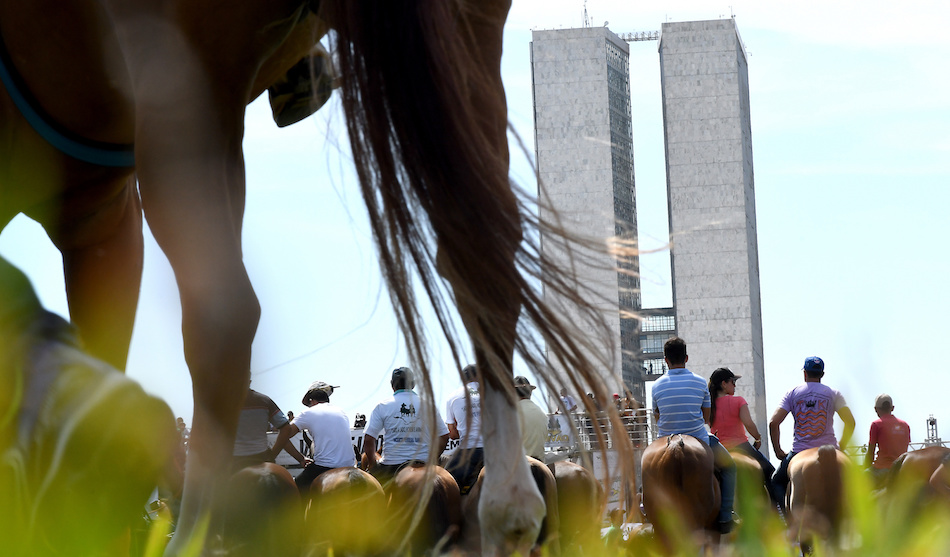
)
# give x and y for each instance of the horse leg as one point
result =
(511, 507)
(189, 126)
(102, 261)
(489, 301)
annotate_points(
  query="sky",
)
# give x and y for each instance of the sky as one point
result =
(850, 108)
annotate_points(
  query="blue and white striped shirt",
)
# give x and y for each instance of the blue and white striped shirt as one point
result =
(680, 396)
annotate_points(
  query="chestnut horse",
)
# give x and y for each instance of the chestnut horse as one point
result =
(913, 480)
(439, 521)
(680, 491)
(112, 109)
(580, 502)
(816, 497)
(347, 514)
(261, 513)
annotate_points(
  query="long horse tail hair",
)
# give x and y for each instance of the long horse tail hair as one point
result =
(427, 121)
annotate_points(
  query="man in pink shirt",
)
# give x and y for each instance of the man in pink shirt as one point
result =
(890, 435)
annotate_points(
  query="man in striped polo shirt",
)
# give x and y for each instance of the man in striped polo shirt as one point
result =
(681, 405)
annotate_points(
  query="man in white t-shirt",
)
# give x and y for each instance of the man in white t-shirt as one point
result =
(463, 416)
(403, 421)
(534, 421)
(329, 428)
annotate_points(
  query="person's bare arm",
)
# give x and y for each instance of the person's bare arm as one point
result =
(283, 436)
(443, 441)
(746, 417)
(369, 450)
(292, 450)
(774, 432)
(848, 418)
(706, 415)
(453, 431)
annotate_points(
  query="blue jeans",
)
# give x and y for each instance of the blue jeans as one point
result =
(464, 465)
(727, 478)
(780, 480)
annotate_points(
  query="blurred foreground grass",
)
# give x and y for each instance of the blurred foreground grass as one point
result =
(895, 525)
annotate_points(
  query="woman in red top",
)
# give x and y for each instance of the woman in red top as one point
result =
(729, 418)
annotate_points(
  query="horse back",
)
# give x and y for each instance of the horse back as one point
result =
(347, 512)
(441, 512)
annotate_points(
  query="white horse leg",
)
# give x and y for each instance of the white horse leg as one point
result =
(511, 507)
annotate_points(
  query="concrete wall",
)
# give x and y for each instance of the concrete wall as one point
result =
(585, 175)
(711, 193)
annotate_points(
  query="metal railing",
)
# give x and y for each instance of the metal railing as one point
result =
(637, 426)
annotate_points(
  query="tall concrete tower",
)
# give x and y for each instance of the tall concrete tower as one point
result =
(584, 152)
(711, 196)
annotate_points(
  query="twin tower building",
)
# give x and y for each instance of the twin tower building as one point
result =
(584, 153)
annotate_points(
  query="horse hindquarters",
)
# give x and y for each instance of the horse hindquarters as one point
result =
(580, 504)
(680, 492)
(441, 518)
(816, 498)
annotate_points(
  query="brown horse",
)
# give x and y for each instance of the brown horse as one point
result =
(680, 491)
(580, 503)
(913, 480)
(347, 514)
(261, 513)
(439, 521)
(101, 93)
(816, 497)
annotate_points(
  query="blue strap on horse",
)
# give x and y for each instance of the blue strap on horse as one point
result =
(86, 150)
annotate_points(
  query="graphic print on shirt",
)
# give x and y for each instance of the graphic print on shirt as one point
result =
(407, 413)
(811, 417)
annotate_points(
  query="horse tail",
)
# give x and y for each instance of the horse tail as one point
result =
(830, 471)
(677, 455)
(891, 479)
(427, 120)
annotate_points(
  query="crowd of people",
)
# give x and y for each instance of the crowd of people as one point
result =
(683, 403)
(401, 419)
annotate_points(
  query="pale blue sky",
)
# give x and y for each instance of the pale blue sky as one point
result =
(850, 111)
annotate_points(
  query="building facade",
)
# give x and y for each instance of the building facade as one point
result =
(584, 153)
(711, 195)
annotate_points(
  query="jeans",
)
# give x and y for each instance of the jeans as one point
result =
(464, 465)
(780, 480)
(727, 478)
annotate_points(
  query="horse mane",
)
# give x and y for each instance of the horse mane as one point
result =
(418, 94)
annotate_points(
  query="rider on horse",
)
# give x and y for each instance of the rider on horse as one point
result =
(813, 406)
(407, 432)
(329, 429)
(463, 415)
(681, 405)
